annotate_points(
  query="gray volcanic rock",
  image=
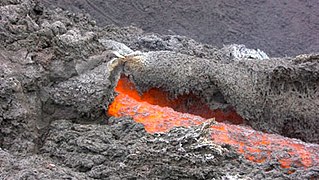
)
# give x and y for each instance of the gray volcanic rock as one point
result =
(123, 150)
(20, 104)
(273, 95)
(57, 77)
(34, 167)
(41, 49)
(280, 28)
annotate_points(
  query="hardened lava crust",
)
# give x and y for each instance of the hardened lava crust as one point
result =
(58, 71)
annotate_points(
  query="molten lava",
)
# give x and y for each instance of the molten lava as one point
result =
(186, 104)
(259, 147)
(158, 113)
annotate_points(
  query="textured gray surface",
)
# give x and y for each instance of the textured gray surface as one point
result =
(125, 150)
(273, 95)
(34, 167)
(40, 49)
(55, 84)
(280, 28)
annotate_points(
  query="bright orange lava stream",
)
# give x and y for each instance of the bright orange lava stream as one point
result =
(159, 114)
(185, 104)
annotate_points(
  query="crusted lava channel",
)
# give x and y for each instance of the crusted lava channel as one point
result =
(158, 113)
(189, 103)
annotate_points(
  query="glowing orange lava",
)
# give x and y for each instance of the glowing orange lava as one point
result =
(158, 113)
(186, 104)
(260, 147)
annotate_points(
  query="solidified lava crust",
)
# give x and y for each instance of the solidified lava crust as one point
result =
(255, 146)
(58, 74)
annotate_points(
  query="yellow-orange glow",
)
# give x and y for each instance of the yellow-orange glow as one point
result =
(158, 113)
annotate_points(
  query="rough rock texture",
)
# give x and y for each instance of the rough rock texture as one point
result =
(124, 150)
(58, 65)
(41, 49)
(280, 28)
(34, 167)
(273, 95)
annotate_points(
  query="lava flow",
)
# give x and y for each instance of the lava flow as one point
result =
(158, 113)
(186, 104)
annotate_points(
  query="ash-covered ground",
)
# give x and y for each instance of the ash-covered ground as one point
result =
(56, 85)
(280, 28)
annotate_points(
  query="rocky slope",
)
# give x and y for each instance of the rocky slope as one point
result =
(280, 28)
